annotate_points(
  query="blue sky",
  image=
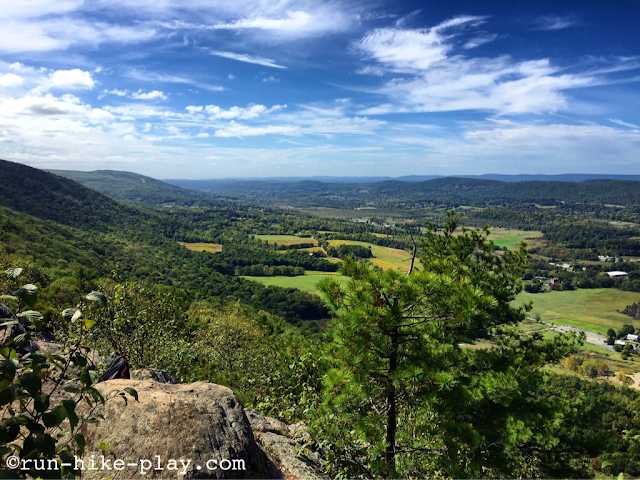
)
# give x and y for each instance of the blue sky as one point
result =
(250, 88)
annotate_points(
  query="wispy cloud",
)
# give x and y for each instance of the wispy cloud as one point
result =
(555, 22)
(293, 21)
(624, 124)
(146, 76)
(479, 40)
(437, 76)
(243, 57)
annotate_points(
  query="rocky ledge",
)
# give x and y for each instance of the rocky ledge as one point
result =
(196, 422)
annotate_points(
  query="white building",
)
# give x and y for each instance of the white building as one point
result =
(620, 342)
(632, 337)
(617, 274)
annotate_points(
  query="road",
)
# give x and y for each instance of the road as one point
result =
(592, 337)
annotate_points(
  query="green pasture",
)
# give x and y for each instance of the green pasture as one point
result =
(286, 239)
(511, 238)
(589, 309)
(306, 283)
(384, 257)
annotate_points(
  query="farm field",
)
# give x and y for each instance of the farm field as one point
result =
(504, 237)
(286, 239)
(589, 309)
(384, 257)
(306, 283)
(202, 247)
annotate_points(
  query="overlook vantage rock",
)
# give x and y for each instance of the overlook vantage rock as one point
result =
(197, 422)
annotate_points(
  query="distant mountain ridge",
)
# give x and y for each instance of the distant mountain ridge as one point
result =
(568, 177)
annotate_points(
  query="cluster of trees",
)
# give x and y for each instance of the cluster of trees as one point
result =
(270, 271)
(356, 251)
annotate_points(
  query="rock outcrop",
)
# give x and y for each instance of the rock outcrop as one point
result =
(197, 425)
(285, 446)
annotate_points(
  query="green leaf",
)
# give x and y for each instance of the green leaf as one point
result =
(32, 384)
(79, 360)
(85, 377)
(9, 395)
(70, 407)
(79, 438)
(28, 294)
(41, 403)
(88, 323)
(132, 392)
(13, 273)
(8, 297)
(55, 417)
(32, 317)
(96, 296)
(76, 316)
(10, 322)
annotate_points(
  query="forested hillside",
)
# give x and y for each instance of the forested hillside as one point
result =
(133, 187)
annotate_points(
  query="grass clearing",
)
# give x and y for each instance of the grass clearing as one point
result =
(511, 238)
(306, 283)
(384, 257)
(588, 309)
(202, 247)
(286, 239)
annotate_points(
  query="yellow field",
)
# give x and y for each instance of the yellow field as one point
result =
(202, 247)
(384, 257)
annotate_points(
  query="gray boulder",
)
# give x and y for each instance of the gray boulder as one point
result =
(196, 423)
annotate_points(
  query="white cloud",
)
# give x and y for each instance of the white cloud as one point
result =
(271, 79)
(60, 33)
(119, 93)
(370, 70)
(32, 8)
(71, 79)
(202, 135)
(241, 57)
(11, 80)
(234, 129)
(436, 76)
(140, 95)
(214, 112)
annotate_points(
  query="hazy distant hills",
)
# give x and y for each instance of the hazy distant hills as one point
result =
(341, 192)
(569, 177)
(447, 190)
(133, 187)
